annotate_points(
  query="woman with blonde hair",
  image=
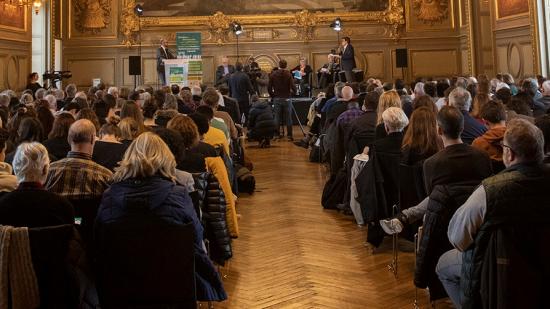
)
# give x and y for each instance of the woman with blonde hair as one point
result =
(129, 130)
(147, 176)
(387, 99)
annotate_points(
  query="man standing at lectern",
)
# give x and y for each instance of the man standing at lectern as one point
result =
(163, 53)
(347, 63)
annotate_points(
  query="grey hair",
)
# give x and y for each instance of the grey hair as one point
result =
(462, 82)
(31, 162)
(461, 99)
(113, 91)
(4, 100)
(59, 94)
(52, 101)
(40, 94)
(395, 119)
(170, 102)
(82, 95)
(419, 89)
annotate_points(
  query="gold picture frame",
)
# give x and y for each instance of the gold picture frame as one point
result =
(449, 23)
(25, 22)
(512, 16)
(304, 21)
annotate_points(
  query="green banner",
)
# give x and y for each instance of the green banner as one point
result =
(188, 45)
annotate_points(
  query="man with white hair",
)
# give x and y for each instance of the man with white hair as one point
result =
(462, 99)
(52, 103)
(30, 205)
(113, 91)
(40, 94)
(545, 99)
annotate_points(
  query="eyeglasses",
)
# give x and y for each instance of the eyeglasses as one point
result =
(505, 146)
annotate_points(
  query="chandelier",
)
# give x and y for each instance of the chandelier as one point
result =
(35, 4)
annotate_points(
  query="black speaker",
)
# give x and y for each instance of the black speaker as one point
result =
(401, 59)
(134, 65)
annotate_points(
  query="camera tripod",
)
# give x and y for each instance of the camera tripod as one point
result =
(282, 117)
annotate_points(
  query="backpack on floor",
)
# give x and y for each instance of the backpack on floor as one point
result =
(245, 179)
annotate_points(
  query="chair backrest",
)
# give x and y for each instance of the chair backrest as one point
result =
(144, 261)
(86, 209)
(58, 284)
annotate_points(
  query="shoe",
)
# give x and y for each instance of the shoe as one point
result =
(391, 226)
(301, 143)
(290, 138)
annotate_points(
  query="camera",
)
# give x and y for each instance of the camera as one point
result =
(57, 75)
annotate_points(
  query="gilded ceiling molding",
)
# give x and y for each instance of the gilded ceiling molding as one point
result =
(305, 23)
(431, 11)
(218, 26)
(92, 16)
(129, 25)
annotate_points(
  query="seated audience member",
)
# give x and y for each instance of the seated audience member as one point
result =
(261, 122)
(214, 136)
(196, 93)
(476, 230)
(543, 123)
(353, 109)
(494, 114)
(544, 100)
(132, 110)
(196, 154)
(108, 150)
(230, 105)
(340, 105)
(163, 116)
(461, 99)
(149, 110)
(30, 205)
(148, 173)
(175, 143)
(88, 113)
(8, 182)
(77, 176)
(446, 166)
(57, 143)
(424, 101)
(30, 130)
(211, 98)
(387, 99)
(479, 101)
(187, 99)
(129, 130)
(395, 121)
(332, 100)
(45, 116)
(421, 140)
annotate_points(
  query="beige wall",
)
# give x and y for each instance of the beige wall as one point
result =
(15, 56)
(435, 49)
(514, 43)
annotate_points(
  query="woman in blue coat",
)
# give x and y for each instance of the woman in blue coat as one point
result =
(148, 171)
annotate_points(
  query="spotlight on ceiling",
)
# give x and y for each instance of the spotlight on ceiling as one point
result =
(138, 9)
(237, 28)
(336, 25)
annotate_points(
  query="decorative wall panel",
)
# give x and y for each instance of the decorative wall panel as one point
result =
(434, 63)
(85, 70)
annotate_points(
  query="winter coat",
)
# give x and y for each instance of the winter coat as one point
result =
(216, 166)
(490, 143)
(443, 203)
(261, 122)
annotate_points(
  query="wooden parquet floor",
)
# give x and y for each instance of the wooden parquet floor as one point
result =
(293, 254)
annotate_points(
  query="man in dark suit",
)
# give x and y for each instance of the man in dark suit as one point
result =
(224, 71)
(231, 106)
(326, 74)
(347, 59)
(163, 53)
(240, 88)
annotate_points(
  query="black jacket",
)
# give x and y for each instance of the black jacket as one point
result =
(232, 108)
(443, 203)
(506, 267)
(240, 86)
(347, 62)
(281, 84)
(212, 205)
(161, 55)
(261, 121)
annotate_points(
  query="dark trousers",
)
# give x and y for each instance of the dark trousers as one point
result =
(283, 114)
(244, 107)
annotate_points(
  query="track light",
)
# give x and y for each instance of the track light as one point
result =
(237, 28)
(336, 25)
(138, 9)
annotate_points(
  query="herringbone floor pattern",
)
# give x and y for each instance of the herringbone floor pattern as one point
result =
(293, 254)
